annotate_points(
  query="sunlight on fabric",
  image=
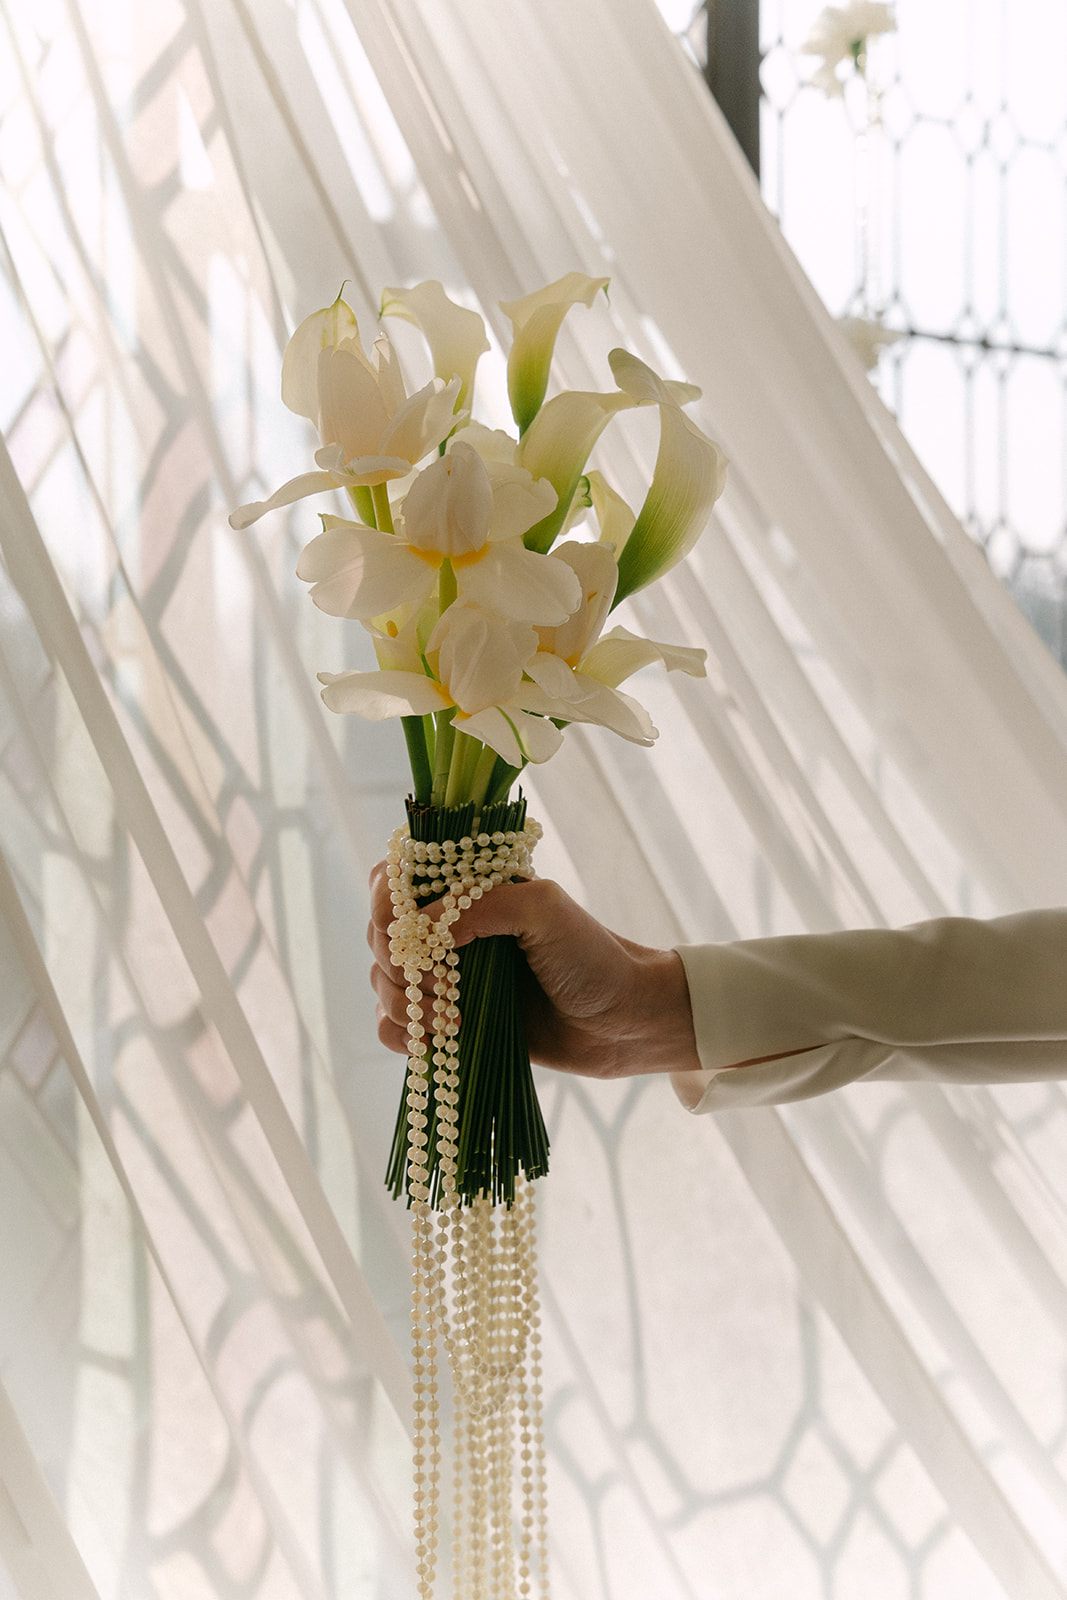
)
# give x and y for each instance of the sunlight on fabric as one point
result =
(327, 61)
(819, 1350)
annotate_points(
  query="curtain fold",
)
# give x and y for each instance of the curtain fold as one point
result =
(821, 1349)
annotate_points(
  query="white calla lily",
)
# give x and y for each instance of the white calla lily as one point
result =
(562, 435)
(535, 323)
(615, 518)
(645, 386)
(689, 476)
(556, 447)
(455, 335)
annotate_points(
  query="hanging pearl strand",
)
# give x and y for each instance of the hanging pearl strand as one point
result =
(474, 1272)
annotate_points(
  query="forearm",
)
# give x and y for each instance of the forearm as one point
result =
(972, 1001)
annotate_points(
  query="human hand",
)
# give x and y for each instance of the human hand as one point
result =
(596, 1004)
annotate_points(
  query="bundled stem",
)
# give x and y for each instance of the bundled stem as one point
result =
(501, 1132)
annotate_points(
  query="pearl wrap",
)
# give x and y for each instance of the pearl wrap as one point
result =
(474, 1267)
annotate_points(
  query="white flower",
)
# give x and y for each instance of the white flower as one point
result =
(689, 476)
(556, 447)
(840, 33)
(478, 660)
(868, 337)
(457, 510)
(558, 442)
(456, 336)
(535, 322)
(614, 517)
(575, 673)
(371, 429)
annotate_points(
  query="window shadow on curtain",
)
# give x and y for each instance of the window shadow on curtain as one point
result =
(820, 1351)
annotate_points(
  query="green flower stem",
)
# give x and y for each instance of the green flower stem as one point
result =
(419, 756)
(461, 769)
(503, 776)
(363, 500)
(443, 741)
(383, 513)
(483, 774)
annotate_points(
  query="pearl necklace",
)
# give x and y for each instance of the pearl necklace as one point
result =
(474, 1267)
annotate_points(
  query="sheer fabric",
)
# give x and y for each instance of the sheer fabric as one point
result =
(819, 1350)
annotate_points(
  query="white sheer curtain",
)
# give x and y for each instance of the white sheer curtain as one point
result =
(820, 1352)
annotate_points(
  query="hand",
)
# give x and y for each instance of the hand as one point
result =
(597, 1004)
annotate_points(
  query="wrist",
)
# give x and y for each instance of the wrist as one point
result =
(664, 1037)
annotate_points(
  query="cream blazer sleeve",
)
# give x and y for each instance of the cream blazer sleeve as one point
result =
(954, 1000)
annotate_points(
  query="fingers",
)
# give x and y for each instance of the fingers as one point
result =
(525, 910)
(387, 980)
(391, 1010)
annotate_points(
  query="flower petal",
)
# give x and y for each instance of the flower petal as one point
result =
(594, 567)
(423, 422)
(645, 386)
(519, 500)
(620, 713)
(296, 489)
(323, 330)
(360, 573)
(535, 321)
(400, 637)
(596, 703)
(352, 413)
(512, 733)
(614, 517)
(480, 656)
(552, 674)
(369, 470)
(556, 446)
(449, 507)
(492, 444)
(519, 584)
(456, 336)
(389, 377)
(380, 695)
(620, 653)
(690, 476)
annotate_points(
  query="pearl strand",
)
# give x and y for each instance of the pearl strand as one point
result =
(474, 1275)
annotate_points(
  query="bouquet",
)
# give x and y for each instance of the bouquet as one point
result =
(484, 564)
